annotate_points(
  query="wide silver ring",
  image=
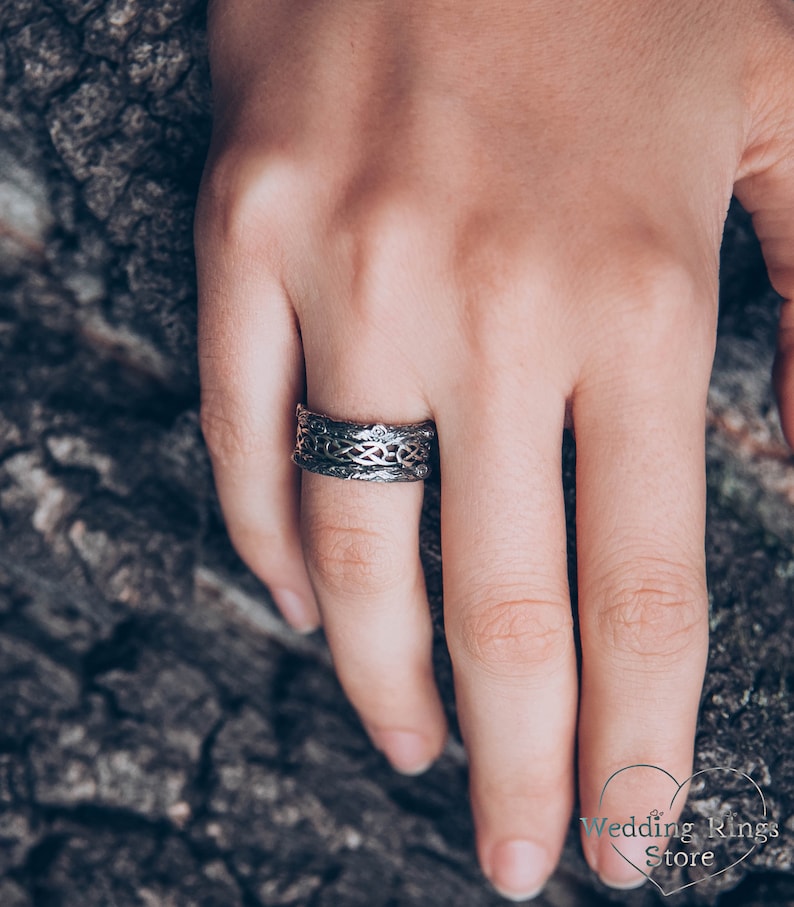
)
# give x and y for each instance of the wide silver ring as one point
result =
(372, 452)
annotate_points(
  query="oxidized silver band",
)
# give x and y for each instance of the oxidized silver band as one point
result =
(372, 452)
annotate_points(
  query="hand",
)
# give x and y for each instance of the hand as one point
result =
(492, 215)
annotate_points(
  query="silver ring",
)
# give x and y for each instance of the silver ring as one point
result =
(372, 452)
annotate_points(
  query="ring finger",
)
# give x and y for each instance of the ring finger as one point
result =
(361, 544)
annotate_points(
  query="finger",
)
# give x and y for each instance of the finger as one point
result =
(367, 355)
(362, 549)
(642, 590)
(508, 623)
(251, 379)
(766, 189)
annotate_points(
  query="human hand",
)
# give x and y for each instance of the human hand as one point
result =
(497, 216)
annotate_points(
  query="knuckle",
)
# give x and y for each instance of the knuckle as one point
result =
(659, 281)
(515, 637)
(657, 305)
(384, 237)
(658, 612)
(553, 773)
(348, 559)
(385, 217)
(658, 292)
(261, 548)
(659, 315)
(242, 201)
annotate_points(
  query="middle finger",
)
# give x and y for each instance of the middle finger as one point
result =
(509, 625)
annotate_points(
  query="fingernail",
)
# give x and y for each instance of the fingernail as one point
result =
(298, 613)
(406, 750)
(615, 861)
(518, 869)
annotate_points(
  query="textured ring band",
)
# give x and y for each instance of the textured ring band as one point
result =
(371, 452)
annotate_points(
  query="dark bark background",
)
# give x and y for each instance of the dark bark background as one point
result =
(164, 739)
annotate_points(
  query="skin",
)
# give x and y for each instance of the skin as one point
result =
(502, 216)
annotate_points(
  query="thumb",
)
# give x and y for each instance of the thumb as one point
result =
(766, 189)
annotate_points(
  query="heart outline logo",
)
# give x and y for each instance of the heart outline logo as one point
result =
(679, 787)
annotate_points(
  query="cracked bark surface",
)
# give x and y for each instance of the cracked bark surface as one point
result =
(164, 739)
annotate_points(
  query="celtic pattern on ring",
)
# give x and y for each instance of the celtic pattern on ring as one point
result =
(371, 452)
